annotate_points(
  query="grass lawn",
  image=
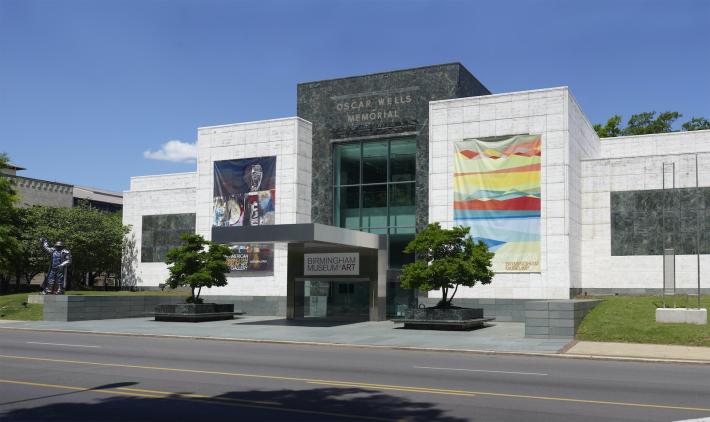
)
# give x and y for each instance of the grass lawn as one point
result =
(11, 307)
(632, 319)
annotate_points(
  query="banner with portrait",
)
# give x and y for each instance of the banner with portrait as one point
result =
(245, 195)
(244, 192)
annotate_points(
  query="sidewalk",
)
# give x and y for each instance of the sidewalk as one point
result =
(636, 350)
(497, 337)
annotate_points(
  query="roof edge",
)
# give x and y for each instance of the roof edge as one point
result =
(385, 72)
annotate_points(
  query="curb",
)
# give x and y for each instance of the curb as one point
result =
(562, 354)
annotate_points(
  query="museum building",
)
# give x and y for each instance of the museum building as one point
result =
(318, 208)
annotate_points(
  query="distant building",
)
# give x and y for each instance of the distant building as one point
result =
(104, 200)
(56, 194)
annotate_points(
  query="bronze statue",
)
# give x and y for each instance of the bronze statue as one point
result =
(60, 260)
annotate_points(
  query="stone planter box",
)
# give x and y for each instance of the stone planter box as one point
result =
(443, 318)
(682, 316)
(191, 312)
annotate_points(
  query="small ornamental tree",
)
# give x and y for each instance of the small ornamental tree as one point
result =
(446, 259)
(196, 264)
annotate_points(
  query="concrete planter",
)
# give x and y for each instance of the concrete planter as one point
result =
(443, 314)
(443, 318)
(682, 316)
(192, 312)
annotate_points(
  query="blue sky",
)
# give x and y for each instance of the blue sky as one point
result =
(86, 87)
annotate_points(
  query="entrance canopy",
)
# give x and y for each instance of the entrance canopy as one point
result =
(299, 233)
(313, 240)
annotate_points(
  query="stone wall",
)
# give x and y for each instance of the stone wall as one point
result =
(555, 318)
(289, 140)
(634, 167)
(42, 192)
(393, 103)
(254, 305)
(162, 232)
(153, 195)
(503, 310)
(82, 308)
(644, 222)
(567, 138)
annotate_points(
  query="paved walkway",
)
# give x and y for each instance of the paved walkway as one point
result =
(498, 336)
(635, 350)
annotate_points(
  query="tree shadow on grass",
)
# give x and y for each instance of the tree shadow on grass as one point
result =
(312, 405)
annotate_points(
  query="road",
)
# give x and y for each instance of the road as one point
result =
(86, 377)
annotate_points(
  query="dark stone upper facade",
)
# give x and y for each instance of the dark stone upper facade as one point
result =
(374, 106)
(645, 222)
(162, 232)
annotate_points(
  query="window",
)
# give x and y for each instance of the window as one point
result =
(374, 190)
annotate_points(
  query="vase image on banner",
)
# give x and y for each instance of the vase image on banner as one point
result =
(497, 195)
(244, 192)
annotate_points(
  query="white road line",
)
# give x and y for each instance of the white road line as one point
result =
(483, 370)
(62, 344)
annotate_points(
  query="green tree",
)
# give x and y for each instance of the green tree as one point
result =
(33, 259)
(94, 237)
(611, 128)
(196, 264)
(696, 123)
(10, 247)
(647, 123)
(446, 259)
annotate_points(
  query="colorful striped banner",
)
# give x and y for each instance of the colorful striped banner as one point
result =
(497, 195)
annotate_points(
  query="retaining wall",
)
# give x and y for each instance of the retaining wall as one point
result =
(555, 318)
(503, 310)
(81, 308)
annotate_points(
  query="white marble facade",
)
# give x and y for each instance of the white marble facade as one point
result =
(578, 173)
(637, 163)
(289, 140)
(553, 114)
(155, 195)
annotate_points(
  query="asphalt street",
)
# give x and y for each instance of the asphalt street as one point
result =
(65, 376)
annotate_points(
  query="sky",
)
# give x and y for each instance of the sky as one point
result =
(94, 92)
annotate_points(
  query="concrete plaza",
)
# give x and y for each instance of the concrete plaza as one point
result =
(495, 337)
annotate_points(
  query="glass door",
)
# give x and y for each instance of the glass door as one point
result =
(346, 300)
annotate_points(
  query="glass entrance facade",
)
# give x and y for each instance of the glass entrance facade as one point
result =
(345, 300)
(374, 191)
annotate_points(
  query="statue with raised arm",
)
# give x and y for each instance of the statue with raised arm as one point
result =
(60, 260)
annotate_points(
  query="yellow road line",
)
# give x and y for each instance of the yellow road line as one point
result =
(201, 396)
(397, 388)
(69, 387)
(159, 368)
(135, 392)
(367, 385)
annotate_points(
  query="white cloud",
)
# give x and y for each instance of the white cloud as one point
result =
(177, 151)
